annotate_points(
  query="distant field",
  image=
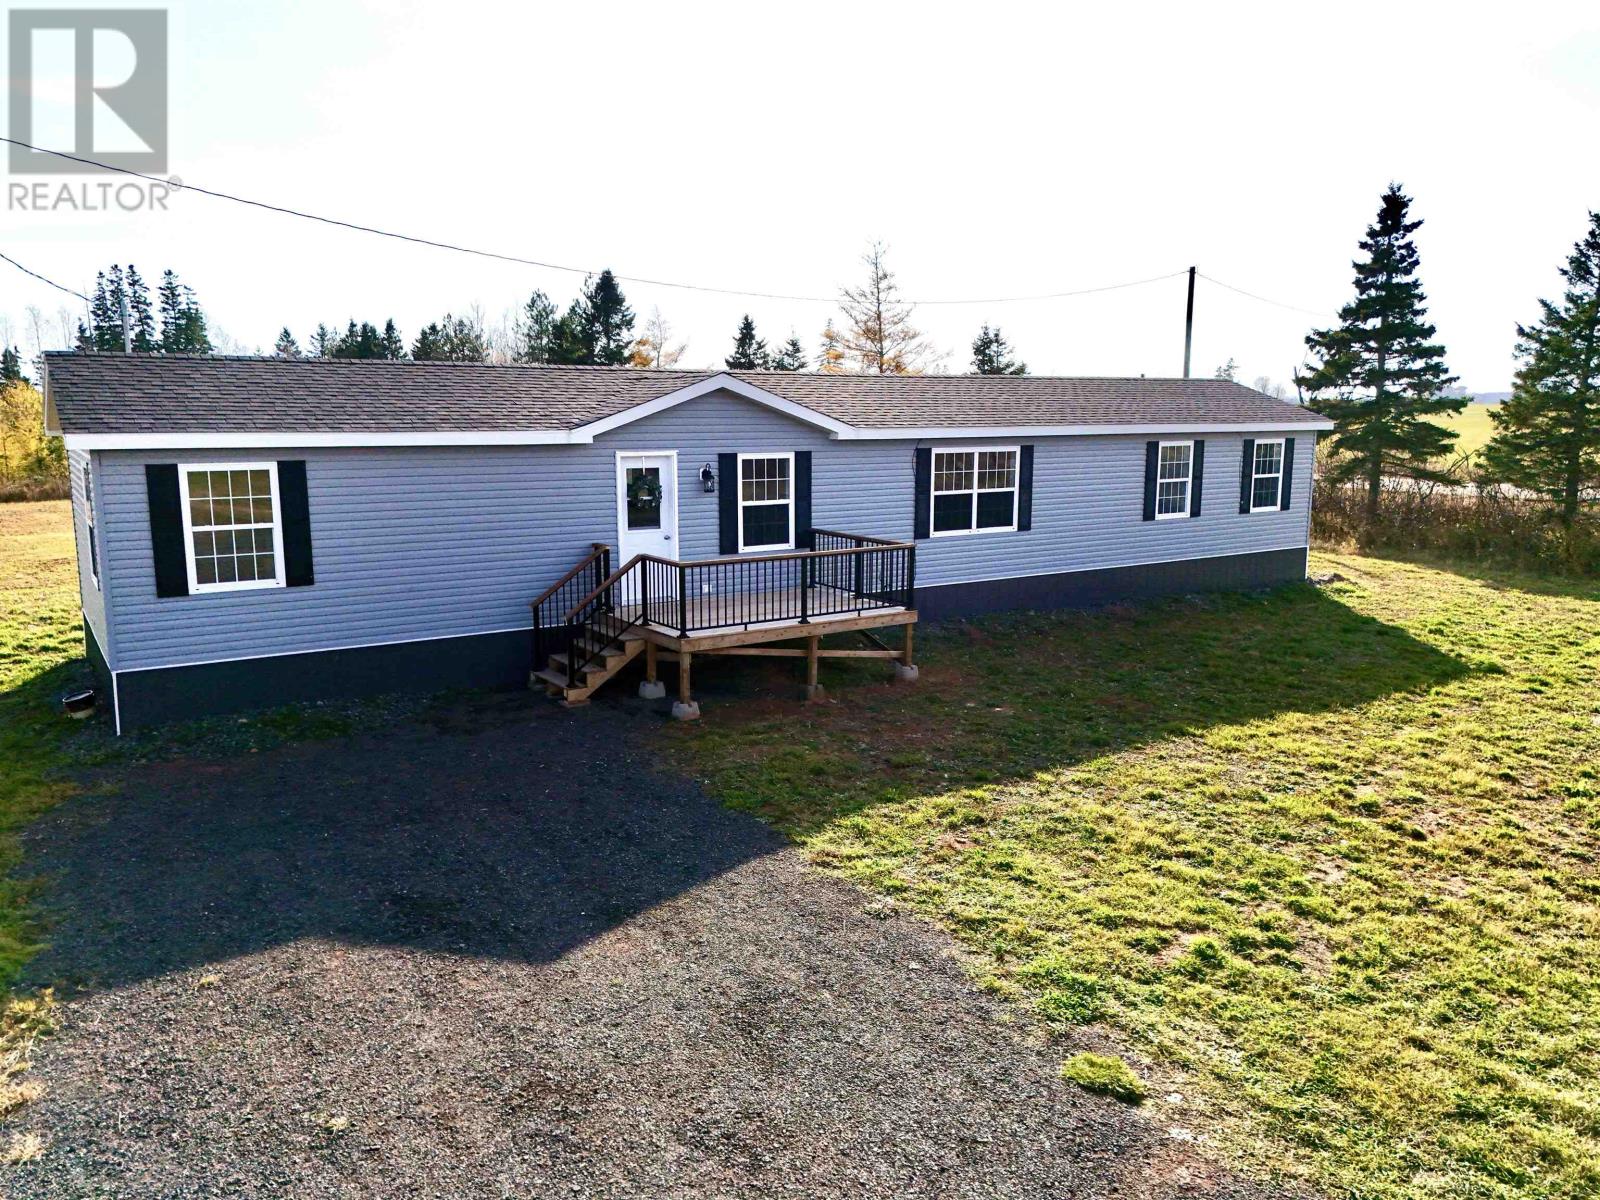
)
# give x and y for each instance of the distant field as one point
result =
(1474, 426)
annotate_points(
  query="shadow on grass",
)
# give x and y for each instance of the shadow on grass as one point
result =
(511, 828)
(1007, 697)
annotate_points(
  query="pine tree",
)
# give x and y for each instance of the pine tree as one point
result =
(11, 366)
(141, 317)
(390, 345)
(1380, 373)
(608, 321)
(323, 341)
(749, 351)
(1227, 371)
(881, 339)
(569, 337)
(286, 346)
(535, 329)
(1547, 435)
(791, 357)
(991, 354)
(832, 359)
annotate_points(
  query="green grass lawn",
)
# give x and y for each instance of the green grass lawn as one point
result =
(1323, 863)
(1473, 427)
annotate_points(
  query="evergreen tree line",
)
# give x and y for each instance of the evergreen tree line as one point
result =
(595, 330)
(175, 324)
(1380, 374)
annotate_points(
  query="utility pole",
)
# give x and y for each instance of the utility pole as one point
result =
(127, 330)
(1189, 322)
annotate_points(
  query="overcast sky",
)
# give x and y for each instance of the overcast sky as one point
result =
(999, 149)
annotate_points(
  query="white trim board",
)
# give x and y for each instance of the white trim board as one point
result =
(583, 436)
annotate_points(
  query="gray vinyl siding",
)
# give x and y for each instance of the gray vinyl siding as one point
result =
(440, 541)
(91, 596)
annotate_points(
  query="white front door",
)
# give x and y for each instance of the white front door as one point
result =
(647, 505)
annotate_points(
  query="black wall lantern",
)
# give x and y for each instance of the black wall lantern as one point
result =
(708, 478)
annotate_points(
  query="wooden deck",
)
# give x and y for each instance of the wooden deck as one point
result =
(663, 610)
(742, 619)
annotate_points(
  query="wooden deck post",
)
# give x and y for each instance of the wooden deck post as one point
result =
(651, 688)
(685, 709)
(813, 688)
(905, 671)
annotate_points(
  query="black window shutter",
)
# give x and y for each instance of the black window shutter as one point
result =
(1247, 475)
(295, 508)
(1287, 489)
(1199, 477)
(923, 490)
(802, 500)
(1152, 461)
(728, 503)
(1025, 488)
(166, 529)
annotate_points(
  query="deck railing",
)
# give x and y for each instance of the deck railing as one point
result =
(551, 608)
(844, 574)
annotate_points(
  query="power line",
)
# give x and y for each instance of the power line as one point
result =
(59, 287)
(549, 266)
(1265, 300)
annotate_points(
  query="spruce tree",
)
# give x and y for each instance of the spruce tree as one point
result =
(1379, 374)
(569, 337)
(536, 329)
(991, 354)
(1547, 435)
(455, 339)
(323, 341)
(1227, 370)
(791, 357)
(141, 316)
(429, 346)
(286, 346)
(608, 321)
(749, 351)
(105, 311)
(169, 300)
(11, 366)
(390, 345)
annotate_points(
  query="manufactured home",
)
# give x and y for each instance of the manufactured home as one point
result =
(256, 531)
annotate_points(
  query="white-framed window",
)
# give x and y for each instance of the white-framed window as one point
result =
(94, 540)
(1174, 479)
(232, 525)
(1266, 476)
(974, 491)
(766, 502)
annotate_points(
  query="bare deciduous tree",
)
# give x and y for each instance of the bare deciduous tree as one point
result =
(655, 348)
(880, 339)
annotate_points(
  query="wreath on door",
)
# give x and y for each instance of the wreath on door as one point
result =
(644, 491)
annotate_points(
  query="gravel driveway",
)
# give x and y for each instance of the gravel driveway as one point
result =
(504, 956)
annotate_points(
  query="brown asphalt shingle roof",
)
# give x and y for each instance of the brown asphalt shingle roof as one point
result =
(116, 393)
